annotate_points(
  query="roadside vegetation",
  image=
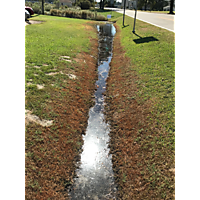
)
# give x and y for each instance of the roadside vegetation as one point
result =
(141, 109)
(70, 12)
(114, 15)
(60, 72)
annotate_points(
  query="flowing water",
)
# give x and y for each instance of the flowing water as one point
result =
(95, 175)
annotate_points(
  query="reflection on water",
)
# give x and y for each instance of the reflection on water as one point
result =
(95, 176)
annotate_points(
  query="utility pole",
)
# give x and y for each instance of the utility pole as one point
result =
(124, 11)
(171, 7)
(135, 16)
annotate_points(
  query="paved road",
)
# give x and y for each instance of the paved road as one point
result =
(165, 21)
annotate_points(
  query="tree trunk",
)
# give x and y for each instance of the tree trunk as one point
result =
(43, 7)
(103, 5)
(171, 7)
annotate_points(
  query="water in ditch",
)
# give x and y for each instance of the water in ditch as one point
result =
(95, 178)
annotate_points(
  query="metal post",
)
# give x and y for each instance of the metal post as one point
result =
(135, 17)
(124, 11)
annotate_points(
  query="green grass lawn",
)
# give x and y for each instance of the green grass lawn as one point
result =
(61, 36)
(45, 44)
(152, 50)
(114, 15)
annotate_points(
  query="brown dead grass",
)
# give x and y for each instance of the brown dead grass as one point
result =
(131, 136)
(52, 152)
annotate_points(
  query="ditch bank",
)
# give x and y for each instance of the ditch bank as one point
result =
(142, 166)
(52, 152)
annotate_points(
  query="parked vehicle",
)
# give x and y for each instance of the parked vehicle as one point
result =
(30, 10)
(27, 15)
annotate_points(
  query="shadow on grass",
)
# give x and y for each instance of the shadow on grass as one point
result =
(145, 39)
(171, 13)
(99, 10)
(125, 26)
(34, 16)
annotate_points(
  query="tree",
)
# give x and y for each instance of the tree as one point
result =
(43, 1)
(142, 3)
(102, 4)
(152, 4)
(171, 7)
(109, 3)
(85, 4)
(43, 7)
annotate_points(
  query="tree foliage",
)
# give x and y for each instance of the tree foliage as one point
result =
(85, 4)
(152, 4)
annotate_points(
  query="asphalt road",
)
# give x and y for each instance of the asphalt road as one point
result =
(165, 21)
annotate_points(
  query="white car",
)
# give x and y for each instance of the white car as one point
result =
(27, 15)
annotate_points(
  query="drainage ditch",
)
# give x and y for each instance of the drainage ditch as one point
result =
(95, 179)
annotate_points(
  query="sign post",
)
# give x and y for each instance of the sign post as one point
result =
(124, 11)
(135, 16)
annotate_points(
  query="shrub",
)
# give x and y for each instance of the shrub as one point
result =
(90, 15)
(47, 7)
(84, 14)
(77, 8)
(54, 12)
(46, 13)
(92, 9)
(78, 14)
(56, 4)
(62, 7)
(68, 13)
(72, 13)
(101, 18)
(37, 8)
(59, 13)
(84, 4)
(63, 13)
(29, 4)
